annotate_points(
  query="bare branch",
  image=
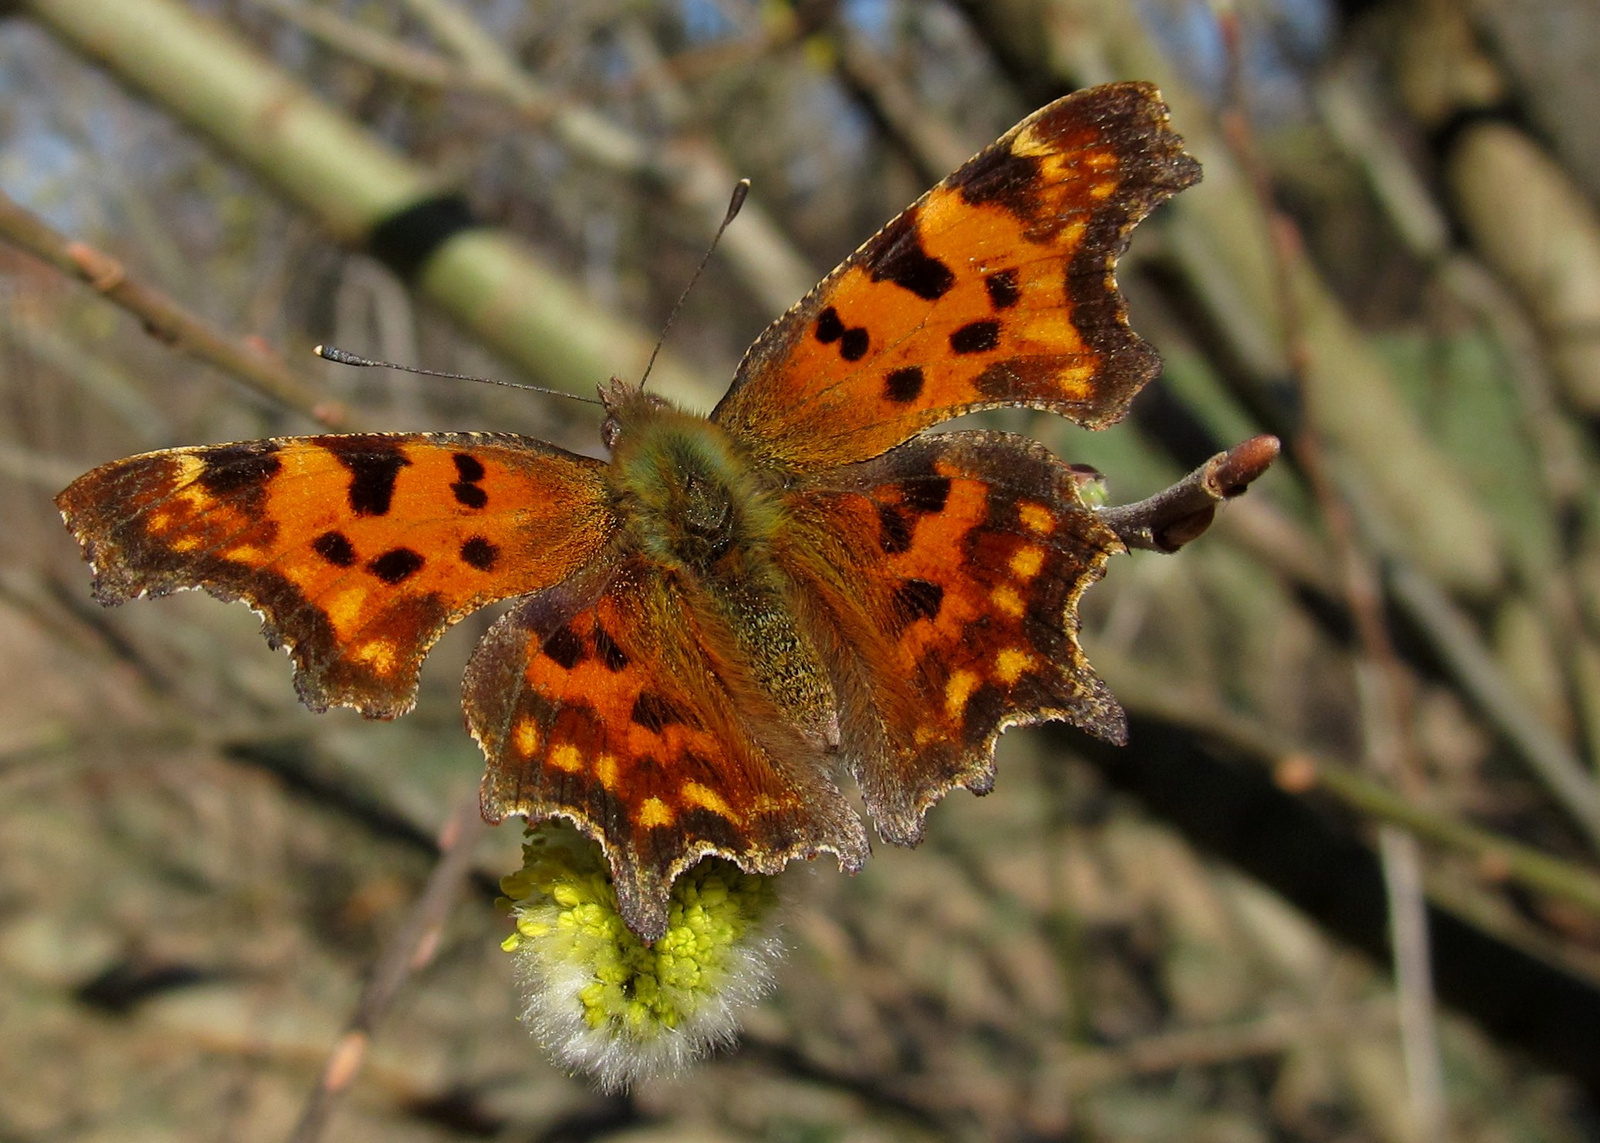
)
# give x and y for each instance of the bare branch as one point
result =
(1171, 518)
(412, 946)
(245, 359)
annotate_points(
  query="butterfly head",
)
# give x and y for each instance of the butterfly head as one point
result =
(626, 405)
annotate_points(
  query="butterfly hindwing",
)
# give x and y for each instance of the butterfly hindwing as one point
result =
(605, 701)
(951, 568)
(358, 550)
(995, 288)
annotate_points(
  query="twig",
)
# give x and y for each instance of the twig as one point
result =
(164, 318)
(1173, 517)
(693, 174)
(1463, 652)
(374, 49)
(411, 947)
(1299, 771)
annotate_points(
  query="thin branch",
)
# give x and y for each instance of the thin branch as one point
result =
(412, 946)
(1299, 771)
(693, 173)
(164, 318)
(374, 49)
(1175, 516)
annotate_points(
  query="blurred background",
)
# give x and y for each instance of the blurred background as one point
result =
(1342, 883)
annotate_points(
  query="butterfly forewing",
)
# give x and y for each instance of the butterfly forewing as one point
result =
(358, 550)
(995, 288)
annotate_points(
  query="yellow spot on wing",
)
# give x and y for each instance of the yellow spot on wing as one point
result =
(1103, 189)
(706, 798)
(1010, 664)
(957, 691)
(655, 812)
(376, 653)
(566, 757)
(526, 738)
(1036, 517)
(1007, 600)
(605, 769)
(185, 543)
(1027, 561)
(344, 609)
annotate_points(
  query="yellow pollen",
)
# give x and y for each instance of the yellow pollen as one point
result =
(1027, 561)
(605, 770)
(527, 738)
(957, 691)
(1010, 664)
(564, 757)
(1036, 517)
(655, 812)
(1007, 600)
(706, 798)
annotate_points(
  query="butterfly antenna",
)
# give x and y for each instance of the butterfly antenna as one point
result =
(741, 190)
(345, 357)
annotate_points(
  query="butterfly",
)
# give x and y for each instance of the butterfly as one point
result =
(734, 610)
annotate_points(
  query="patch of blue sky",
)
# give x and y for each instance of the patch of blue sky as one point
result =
(705, 20)
(1281, 38)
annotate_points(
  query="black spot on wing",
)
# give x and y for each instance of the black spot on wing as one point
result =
(374, 464)
(469, 494)
(854, 344)
(1003, 289)
(653, 712)
(480, 553)
(468, 468)
(564, 647)
(611, 655)
(894, 529)
(829, 328)
(396, 565)
(1002, 177)
(334, 547)
(927, 495)
(918, 599)
(976, 337)
(904, 385)
(233, 468)
(896, 255)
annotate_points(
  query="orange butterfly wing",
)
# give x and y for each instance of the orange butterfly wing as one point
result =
(611, 702)
(358, 550)
(949, 571)
(994, 288)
